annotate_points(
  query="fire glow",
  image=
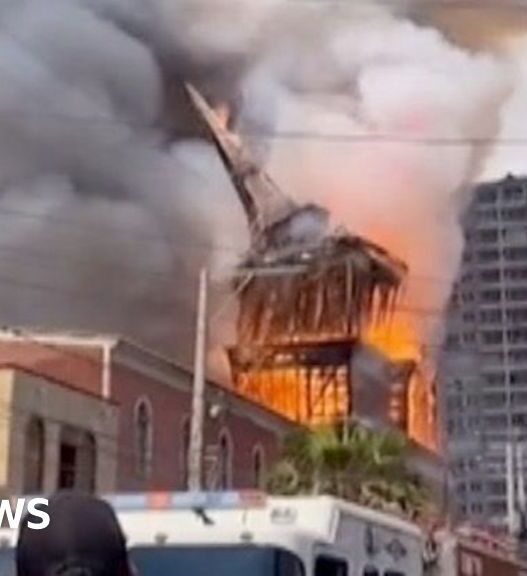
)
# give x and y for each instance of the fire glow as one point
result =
(309, 298)
(398, 340)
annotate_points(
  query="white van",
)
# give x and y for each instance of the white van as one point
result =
(250, 534)
(247, 534)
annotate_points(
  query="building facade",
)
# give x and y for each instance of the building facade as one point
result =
(53, 436)
(102, 412)
(152, 399)
(483, 368)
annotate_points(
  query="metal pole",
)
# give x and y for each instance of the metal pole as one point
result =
(520, 476)
(446, 492)
(195, 455)
(511, 507)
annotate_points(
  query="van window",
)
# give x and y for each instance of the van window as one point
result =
(328, 566)
(393, 573)
(287, 564)
(235, 560)
(370, 571)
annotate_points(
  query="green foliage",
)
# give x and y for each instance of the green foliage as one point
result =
(355, 463)
(285, 479)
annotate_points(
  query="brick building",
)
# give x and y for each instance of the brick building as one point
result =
(152, 398)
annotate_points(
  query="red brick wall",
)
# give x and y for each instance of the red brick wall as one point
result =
(168, 407)
(245, 436)
(171, 408)
(82, 368)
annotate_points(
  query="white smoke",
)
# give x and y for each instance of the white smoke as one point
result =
(396, 88)
(104, 225)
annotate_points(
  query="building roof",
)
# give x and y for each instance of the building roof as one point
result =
(14, 367)
(133, 355)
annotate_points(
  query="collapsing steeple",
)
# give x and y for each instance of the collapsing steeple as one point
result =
(270, 213)
(311, 279)
(305, 294)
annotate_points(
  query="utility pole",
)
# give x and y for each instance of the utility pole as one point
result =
(195, 453)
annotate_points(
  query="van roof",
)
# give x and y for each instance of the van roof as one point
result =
(323, 517)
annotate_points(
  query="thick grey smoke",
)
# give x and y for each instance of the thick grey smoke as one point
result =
(103, 223)
(398, 171)
(108, 208)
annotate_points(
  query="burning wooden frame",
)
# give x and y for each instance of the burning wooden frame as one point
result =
(305, 292)
(330, 291)
(300, 280)
(319, 383)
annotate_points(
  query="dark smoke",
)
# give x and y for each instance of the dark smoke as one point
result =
(109, 200)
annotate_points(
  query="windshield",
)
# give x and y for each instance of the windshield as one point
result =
(7, 562)
(199, 561)
(215, 560)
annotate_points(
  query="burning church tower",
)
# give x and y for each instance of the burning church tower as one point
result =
(306, 295)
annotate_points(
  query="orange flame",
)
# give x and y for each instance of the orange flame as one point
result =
(284, 390)
(398, 341)
(319, 396)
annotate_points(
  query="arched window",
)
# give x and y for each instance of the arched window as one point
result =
(258, 479)
(185, 446)
(34, 457)
(143, 437)
(225, 460)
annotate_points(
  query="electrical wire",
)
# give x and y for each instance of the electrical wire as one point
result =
(208, 246)
(399, 309)
(442, 349)
(302, 135)
(378, 138)
(473, 5)
(437, 140)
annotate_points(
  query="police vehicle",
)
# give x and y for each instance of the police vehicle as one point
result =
(251, 534)
(245, 533)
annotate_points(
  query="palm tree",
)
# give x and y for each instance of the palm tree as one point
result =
(354, 462)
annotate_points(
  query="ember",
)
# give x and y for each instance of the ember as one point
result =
(308, 297)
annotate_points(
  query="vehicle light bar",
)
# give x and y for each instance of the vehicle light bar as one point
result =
(186, 500)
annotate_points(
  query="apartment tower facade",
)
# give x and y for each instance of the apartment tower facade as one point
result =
(483, 368)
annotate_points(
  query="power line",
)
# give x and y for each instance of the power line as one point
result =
(473, 5)
(445, 350)
(77, 227)
(19, 254)
(74, 293)
(210, 246)
(380, 138)
(97, 297)
(168, 304)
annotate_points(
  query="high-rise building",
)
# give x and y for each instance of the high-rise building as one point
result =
(483, 368)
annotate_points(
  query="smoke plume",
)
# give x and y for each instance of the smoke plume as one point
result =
(109, 204)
